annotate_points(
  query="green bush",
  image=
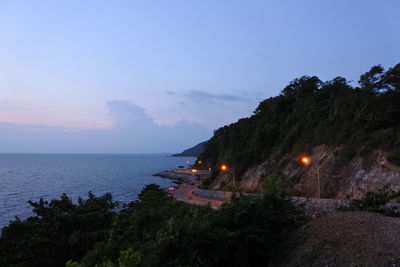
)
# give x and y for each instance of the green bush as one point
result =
(394, 157)
(59, 231)
(376, 202)
(160, 231)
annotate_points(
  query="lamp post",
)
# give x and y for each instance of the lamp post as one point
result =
(319, 186)
(306, 161)
(225, 168)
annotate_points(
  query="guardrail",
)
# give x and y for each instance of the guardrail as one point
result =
(310, 205)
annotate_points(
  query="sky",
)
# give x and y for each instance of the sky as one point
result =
(159, 76)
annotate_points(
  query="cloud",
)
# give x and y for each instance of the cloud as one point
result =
(126, 114)
(206, 97)
(134, 132)
(170, 93)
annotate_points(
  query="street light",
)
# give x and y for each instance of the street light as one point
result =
(306, 161)
(225, 168)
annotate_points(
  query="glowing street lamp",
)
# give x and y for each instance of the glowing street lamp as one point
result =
(306, 161)
(225, 168)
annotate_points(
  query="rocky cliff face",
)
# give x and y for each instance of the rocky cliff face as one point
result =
(343, 173)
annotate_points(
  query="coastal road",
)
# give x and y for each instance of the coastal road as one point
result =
(185, 193)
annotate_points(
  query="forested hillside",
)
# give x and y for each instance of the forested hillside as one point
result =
(192, 152)
(309, 112)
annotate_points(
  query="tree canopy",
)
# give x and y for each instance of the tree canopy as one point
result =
(309, 112)
(158, 231)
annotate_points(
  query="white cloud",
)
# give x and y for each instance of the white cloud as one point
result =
(134, 132)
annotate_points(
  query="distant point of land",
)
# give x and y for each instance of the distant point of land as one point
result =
(193, 151)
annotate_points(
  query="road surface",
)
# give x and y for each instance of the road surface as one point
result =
(185, 193)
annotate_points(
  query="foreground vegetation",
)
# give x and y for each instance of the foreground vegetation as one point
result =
(157, 231)
(309, 112)
(384, 201)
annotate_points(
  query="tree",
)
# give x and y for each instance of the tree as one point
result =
(59, 231)
(391, 79)
(371, 80)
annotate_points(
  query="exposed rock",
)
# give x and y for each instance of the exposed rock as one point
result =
(222, 182)
(343, 173)
(318, 206)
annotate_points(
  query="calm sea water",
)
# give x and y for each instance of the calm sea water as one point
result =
(26, 177)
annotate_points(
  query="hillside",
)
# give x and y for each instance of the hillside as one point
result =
(193, 151)
(346, 239)
(351, 133)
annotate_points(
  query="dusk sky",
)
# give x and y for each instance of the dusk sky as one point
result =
(160, 76)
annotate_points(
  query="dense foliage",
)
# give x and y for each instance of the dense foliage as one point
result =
(382, 201)
(60, 231)
(158, 231)
(310, 112)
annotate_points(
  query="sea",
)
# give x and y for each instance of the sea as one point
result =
(26, 177)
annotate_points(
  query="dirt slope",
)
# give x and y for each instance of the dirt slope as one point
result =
(347, 239)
